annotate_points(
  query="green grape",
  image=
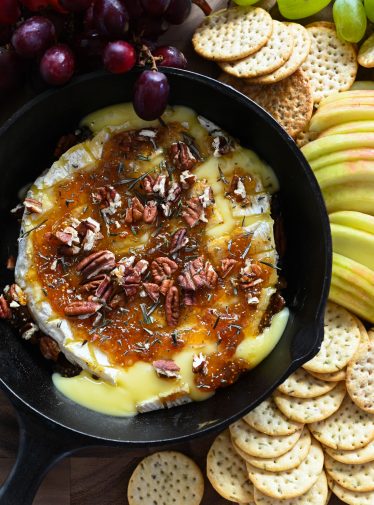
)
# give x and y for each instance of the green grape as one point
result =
(369, 8)
(245, 2)
(350, 19)
(296, 9)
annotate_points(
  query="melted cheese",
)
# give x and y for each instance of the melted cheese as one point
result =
(120, 391)
(140, 382)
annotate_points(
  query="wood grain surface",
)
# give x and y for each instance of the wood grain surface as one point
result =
(100, 476)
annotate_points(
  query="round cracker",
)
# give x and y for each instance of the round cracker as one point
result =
(349, 428)
(299, 54)
(331, 377)
(340, 342)
(271, 56)
(231, 34)
(260, 445)
(356, 457)
(302, 384)
(291, 483)
(310, 410)
(226, 471)
(268, 419)
(318, 494)
(166, 477)
(366, 53)
(360, 377)
(350, 497)
(288, 101)
(353, 477)
(331, 64)
(287, 461)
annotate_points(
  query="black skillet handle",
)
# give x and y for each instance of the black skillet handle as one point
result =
(41, 445)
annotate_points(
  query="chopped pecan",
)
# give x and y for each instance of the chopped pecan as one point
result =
(193, 212)
(66, 250)
(172, 306)
(134, 213)
(166, 285)
(33, 206)
(67, 236)
(131, 282)
(189, 298)
(118, 301)
(5, 311)
(82, 309)
(207, 198)
(162, 268)
(141, 266)
(108, 198)
(152, 290)
(222, 145)
(29, 330)
(159, 185)
(226, 266)
(237, 188)
(101, 285)
(17, 295)
(210, 275)
(11, 263)
(198, 363)
(150, 212)
(148, 183)
(88, 224)
(174, 192)
(49, 348)
(187, 179)
(181, 156)
(96, 263)
(166, 368)
(179, 240)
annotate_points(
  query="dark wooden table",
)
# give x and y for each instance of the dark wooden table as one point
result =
(100, 476)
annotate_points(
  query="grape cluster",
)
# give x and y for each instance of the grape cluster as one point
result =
(62, 37)
(350, 17)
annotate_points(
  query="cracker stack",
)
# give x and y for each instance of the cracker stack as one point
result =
(284, 67)
(315, 433)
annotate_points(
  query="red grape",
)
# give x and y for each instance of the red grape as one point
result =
(155, 7)
(9, 12)
(151, 94)
(171, 57)
(119, 57)
(111, 18)
(5, 34)
(35, 5)
(89, 48)
(151, 28)
(33, 36)
(178, 11)
(75, 5)
(10, 69)
(134, 8)
(57, 65)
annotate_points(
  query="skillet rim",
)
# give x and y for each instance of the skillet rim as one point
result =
(246, 103)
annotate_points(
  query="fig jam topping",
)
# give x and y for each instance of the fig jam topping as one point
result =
(129, 265)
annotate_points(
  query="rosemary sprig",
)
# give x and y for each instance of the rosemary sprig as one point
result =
(141, 157)
(216, 322)
(131, 182)
(269, 265)
(26, 233)
(222, 177)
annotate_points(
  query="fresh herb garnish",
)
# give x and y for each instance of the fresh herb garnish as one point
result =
(222, 177)
(146, 316)
(141, 157)
(133, 181)
(26, 233)
(216, 322)
(269, 265)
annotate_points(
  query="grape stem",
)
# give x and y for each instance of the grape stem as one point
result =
(146, 57)
(204, 6)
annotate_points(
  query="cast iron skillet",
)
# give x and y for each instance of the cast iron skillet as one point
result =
(51, 425)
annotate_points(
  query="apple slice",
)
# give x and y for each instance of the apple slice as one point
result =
(343, 173)
(351, 127)
(356, 220)
(335, 97)
(333, 143)
(341, 157)
(355, 244)
(344, 113)
(353, 196)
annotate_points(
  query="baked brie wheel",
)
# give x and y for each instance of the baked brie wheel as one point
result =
(147, 253)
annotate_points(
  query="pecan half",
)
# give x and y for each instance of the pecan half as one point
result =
(96, 263)
(196, 275)
(101, 285)
(152, 290)
(172, 306)
(181, 156)
(162, 268)
(179, 240)
(193, 212)
(166, 368)
(5, 311)
(150, 212)
(227, 266)
(134, 213)
(49, 348)
(189, 298)
(33, 206)
(82, 309)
